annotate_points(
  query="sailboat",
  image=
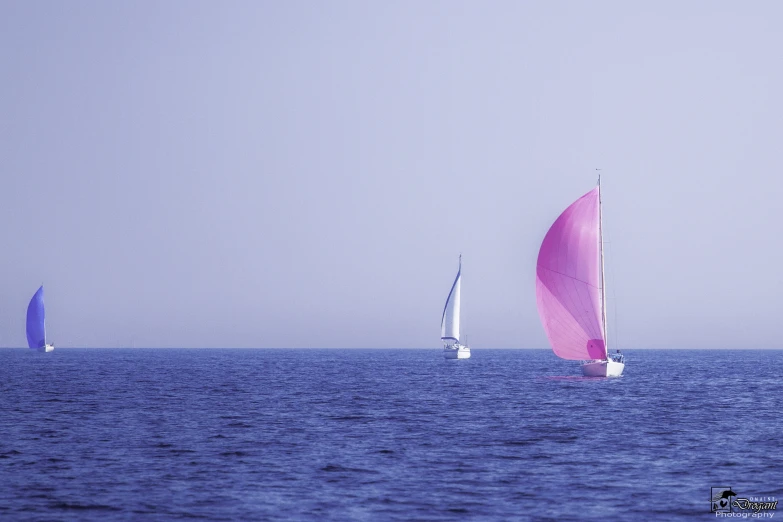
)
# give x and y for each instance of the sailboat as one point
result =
(571, 290)
(36, 323)
(449, 326)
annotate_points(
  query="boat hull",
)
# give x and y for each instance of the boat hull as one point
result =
(603, 369)
(47, 348)
(451, 352)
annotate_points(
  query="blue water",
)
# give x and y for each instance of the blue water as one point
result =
(147, 434)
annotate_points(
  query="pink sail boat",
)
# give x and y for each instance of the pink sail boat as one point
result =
(570, 289)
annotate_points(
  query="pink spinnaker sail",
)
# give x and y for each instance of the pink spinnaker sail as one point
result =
(568, 279)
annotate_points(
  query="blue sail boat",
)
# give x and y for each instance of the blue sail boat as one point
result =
(36, 323)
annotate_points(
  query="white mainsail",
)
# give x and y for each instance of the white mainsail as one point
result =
(449, 327)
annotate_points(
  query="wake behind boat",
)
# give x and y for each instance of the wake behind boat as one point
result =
(449, 326)
(570, 289)
(36, 323)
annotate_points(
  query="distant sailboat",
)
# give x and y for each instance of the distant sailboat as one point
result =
(570, 289)
(36, 323)
(449, 326)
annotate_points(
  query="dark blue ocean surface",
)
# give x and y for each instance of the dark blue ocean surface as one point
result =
(218, 434)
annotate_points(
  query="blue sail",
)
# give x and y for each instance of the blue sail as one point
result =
(36, 327)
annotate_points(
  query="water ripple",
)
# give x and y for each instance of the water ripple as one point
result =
(381, 435)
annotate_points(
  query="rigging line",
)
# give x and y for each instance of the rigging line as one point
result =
(566, 275)
(578, 329)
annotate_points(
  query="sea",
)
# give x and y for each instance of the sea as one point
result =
(350, 434)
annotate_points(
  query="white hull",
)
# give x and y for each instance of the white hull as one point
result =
(47, 348)
(456, 352)
(602, 369)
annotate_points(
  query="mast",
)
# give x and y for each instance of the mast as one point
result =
(459, 271)
(603, 280)
(43, 306)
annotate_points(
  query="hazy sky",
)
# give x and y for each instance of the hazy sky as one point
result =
(305, 174)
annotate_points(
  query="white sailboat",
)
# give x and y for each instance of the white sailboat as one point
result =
(36, 323)
(449, 326)
(571, 289)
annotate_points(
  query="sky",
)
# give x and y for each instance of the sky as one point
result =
(305, 174)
